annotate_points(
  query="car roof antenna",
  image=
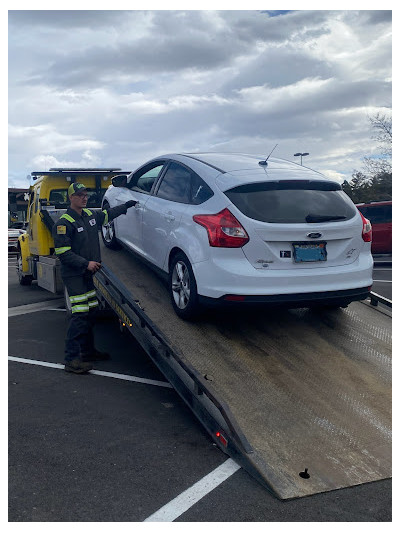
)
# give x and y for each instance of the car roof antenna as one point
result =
(265, 162)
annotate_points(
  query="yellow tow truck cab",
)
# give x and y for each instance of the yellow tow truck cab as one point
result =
(48, 200)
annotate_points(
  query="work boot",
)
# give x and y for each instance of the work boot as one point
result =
(77, 366)
(95, 355)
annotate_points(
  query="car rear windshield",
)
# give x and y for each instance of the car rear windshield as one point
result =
(377, 214)
(293, 201)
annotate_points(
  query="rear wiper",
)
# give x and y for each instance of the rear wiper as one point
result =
(324, 218)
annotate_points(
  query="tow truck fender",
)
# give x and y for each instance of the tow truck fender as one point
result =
(23, 246)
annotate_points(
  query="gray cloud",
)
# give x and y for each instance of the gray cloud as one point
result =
(118, 87)
(64, 19)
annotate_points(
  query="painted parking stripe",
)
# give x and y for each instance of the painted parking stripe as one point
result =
(32, 362)
(179, 505)
(124, 377)
(32, 308)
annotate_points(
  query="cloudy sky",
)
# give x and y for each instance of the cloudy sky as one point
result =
(116, 88)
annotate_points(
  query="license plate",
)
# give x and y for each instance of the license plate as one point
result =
(307, 252)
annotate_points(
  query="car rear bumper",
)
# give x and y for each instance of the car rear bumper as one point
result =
(328, 298)
(218, 277)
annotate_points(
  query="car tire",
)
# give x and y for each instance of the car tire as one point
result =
(183, 288)
(23, 279)
(108, 233)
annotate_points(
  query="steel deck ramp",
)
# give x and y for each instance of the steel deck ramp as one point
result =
(307, 390)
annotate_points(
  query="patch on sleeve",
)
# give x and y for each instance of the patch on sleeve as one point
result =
(61, 230)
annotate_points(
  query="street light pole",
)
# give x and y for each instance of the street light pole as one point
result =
(301, 156)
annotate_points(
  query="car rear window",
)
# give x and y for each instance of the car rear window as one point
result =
(292, 201)
(377, 214)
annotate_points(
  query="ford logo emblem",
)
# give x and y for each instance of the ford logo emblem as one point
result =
(315, 235)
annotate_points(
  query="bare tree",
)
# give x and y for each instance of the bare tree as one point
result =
(382, 126)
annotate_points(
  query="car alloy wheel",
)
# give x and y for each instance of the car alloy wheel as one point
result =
(108, 233)
(181, 285)
(183, 288)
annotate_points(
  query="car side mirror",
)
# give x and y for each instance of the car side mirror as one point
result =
(120, 180)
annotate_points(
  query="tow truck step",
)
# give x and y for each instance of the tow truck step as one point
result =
(300, 398)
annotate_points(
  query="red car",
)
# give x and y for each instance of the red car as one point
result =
(380, 216)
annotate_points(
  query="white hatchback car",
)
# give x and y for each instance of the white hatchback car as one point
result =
(228, 227)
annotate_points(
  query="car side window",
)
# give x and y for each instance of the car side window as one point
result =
(183, 185)
(144, 179)
(176, 184)
(200, 191)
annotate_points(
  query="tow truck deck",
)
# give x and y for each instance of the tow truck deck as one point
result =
(300, 398)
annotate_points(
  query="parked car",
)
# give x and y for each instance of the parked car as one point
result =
(237, 228)
(380, 216)
(13, 234)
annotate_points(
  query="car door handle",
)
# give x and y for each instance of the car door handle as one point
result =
(138, 205)
(169, 217)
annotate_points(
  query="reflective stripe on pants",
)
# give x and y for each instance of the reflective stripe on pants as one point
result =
(84, 303)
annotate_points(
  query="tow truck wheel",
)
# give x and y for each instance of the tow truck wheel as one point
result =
(183, 287)
(108, 233)
(23, 279)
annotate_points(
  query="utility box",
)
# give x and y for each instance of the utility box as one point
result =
(48, 274)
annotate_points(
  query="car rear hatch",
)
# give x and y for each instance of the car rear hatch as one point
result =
(297, 223)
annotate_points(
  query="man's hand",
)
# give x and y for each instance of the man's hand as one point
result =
(93, 266)
(130, 203)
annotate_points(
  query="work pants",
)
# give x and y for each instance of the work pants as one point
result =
(84, 304)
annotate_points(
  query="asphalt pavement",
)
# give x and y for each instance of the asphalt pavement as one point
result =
(103, 448)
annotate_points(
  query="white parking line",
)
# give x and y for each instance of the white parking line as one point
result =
(124, 377)
(32, 362)
(382, 280)
(179, 505)
(32, 308)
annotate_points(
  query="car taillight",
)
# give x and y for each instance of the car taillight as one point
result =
(223, 229)
(366, 229)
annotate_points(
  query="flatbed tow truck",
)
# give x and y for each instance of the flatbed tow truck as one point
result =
(301, 399)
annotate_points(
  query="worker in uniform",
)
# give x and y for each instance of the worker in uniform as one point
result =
(76, 242)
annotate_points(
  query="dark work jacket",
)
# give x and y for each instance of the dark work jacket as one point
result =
(76, 238)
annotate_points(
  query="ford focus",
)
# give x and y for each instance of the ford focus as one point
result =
(239, 228)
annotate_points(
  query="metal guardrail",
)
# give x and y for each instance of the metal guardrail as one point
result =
(375, 299)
